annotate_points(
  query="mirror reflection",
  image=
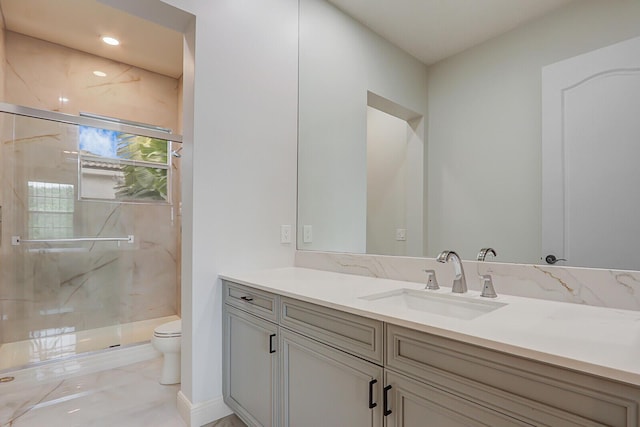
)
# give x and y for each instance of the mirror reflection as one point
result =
(495, 150)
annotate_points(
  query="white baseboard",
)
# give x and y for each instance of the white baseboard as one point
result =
(201, 413)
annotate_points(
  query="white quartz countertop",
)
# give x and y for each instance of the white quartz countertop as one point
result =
(595, 340)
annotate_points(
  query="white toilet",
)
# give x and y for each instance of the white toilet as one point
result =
(167, 339)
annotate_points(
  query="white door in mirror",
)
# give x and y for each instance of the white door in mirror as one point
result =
(590, 131)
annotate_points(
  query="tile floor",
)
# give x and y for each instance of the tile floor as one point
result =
(126, 396)
(230, 421)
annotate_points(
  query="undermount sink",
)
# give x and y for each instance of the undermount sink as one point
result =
(458, 306)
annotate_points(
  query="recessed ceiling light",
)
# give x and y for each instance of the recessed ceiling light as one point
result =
(63, 99)
(99, 73)
(110, 41)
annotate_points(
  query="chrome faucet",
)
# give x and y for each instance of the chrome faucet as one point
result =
(484, 252)
(432, 281)
(486, 283)
(459, 281)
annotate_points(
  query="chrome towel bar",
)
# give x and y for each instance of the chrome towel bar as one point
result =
(16, 240)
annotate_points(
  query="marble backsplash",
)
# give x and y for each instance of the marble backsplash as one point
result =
(57, 288)
(598, 287)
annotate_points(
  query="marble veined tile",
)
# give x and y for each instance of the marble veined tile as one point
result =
(73, 287)
(39, 74)
(50, 292)
(3, 63)
(125, 396)
(230, 421)
(590, 286)
(63, 343)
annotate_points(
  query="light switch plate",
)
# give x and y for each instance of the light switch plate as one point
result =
(285, 234)
(307, 234)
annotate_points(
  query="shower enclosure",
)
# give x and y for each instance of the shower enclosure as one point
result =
(90, 233)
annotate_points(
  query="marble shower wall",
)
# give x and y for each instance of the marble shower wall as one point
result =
(50, 289)
(2, 134)
(3, 62)
(598, 287)
(39, 73)
(54, 289)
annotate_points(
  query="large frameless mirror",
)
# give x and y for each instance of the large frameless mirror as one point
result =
(476, 159)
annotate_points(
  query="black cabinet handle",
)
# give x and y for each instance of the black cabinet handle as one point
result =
(271, 349)
(372, 404)
(248, 299)
(385, 401)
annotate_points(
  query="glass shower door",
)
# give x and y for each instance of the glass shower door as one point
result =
(71, 274)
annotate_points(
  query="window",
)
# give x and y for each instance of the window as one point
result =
(122, 166)
(51, 207)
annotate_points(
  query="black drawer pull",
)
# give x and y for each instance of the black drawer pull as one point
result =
(271, 349)
(385, 401)
(372, 404)
(247, 299)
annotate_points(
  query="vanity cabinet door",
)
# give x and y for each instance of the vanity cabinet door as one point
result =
(250, 366)
(323, 386)
(412, 403)
(536, 393)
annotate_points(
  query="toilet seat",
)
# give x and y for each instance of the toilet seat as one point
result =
(169, 330)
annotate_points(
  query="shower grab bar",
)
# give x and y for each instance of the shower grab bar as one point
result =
(16, 240)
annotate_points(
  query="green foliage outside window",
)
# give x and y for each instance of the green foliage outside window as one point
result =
(143, 182)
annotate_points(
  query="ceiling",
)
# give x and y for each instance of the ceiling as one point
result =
(432, 30)
(79, 24)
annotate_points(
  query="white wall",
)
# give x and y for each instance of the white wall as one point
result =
(240, 115)
(340, 60)
(386, 182)
(484, 129)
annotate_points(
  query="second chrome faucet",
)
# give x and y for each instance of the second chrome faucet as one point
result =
(459, 281)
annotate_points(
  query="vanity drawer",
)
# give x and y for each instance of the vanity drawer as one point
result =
(354, 334)
(531, 391)
(255, 301)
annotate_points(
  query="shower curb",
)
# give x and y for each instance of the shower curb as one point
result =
(89, 363)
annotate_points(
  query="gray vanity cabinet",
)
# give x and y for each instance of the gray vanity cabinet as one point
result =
(416, 404)
(292, 363)
(251, 368)
(499, 383)
(322, 386)
(331, 364)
